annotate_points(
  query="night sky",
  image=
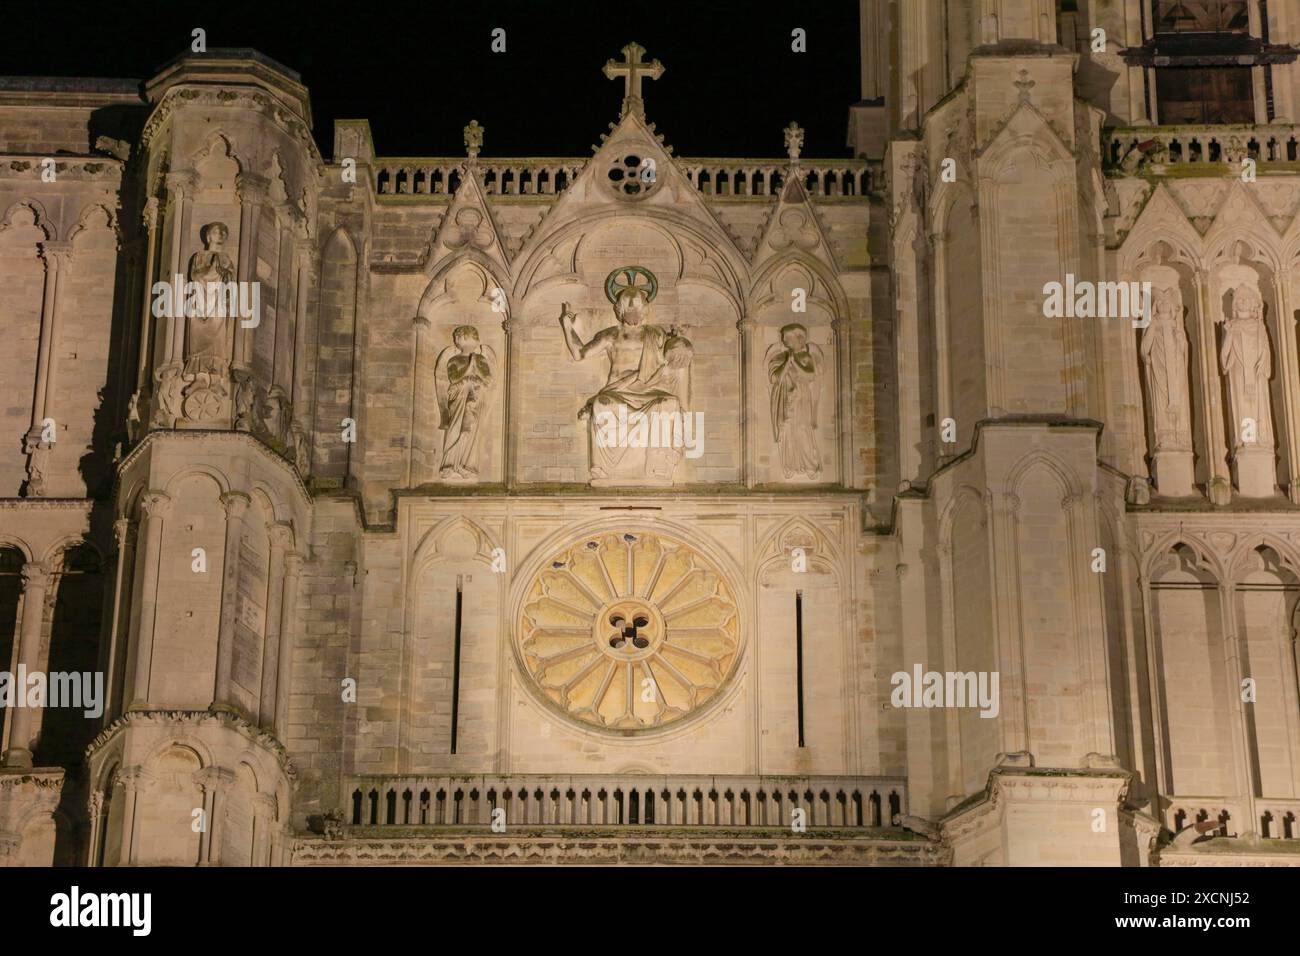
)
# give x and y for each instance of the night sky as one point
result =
(420, 71)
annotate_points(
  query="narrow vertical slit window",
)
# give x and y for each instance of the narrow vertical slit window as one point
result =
(798, 656)
(455, 661)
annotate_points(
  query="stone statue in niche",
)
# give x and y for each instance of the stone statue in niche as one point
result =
(637, 423)
(245, 400)
(1247, 360)
(275, 415)
(794, 369)
(301, 451)
(170, 387)
(208, 330)
(462, 377)
(1164, 353)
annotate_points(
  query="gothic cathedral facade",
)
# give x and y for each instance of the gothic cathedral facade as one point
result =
(939, 506)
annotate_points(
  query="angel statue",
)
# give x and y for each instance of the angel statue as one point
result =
(647, 387)
(462, 378)
(795, 373)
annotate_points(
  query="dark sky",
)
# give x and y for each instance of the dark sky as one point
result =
(420, 71)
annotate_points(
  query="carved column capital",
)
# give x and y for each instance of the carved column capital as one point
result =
(133, 778)
(36, 574)
(251, 187)
(214, 779)
(293, 562)
(281, 534)
(124, 533)
(265, 806)
(156, 504)
(179, 183)
(1009, 502)
(57, 255)
(235, 503)
(149, 214)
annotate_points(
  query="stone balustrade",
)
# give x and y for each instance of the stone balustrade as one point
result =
(1277, 819)
(547, 177)
(624, 800)
(1184, 148)
(501, 177)
(822, 178)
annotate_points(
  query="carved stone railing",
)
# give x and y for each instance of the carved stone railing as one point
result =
(1278, 819)
(599, 800)
(1185, 148)
(749, 177)
(505, 177)
(822, 178)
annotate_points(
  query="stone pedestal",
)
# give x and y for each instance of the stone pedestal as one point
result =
(1043, 817)
(1174, 473)
(1255, 473)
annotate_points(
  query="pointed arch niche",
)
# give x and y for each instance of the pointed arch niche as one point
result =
(801, 612)
(960, 376)
(1272, 460)
(1266, 597)
(461, 296)
(454, 598)
(1194, 699)
(1176, 386)
(772, 315)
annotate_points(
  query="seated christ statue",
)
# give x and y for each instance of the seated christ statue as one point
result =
(635, 421)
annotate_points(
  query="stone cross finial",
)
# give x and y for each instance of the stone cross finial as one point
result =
(1024, 85)
(473, 138)
(631, 70)
(793, 140)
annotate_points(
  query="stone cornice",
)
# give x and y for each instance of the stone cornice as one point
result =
(205, 434)
(227, 95)
(67, 168)
(644, 847)
(196, 718)
(47, 504)
(42, 779)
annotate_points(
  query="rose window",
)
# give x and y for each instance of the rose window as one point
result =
(629, 631)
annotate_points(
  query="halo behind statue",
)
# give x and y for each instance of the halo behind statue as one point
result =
(629, 274)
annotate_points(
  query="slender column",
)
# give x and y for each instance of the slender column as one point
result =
(94, 812)
(1207, 353)
(150, 219)
(180, 209)
(263, 830)
(1289, 369)
(124, 532)
(252, 191)
(1242, 758)
(156, 506)
(36, 582)
(281, 536)
(208, 781)
(745, 326)
(296, 386)
(132, 780)
(284, 659)
(942, 368)
(57, 257)
(235, 503)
